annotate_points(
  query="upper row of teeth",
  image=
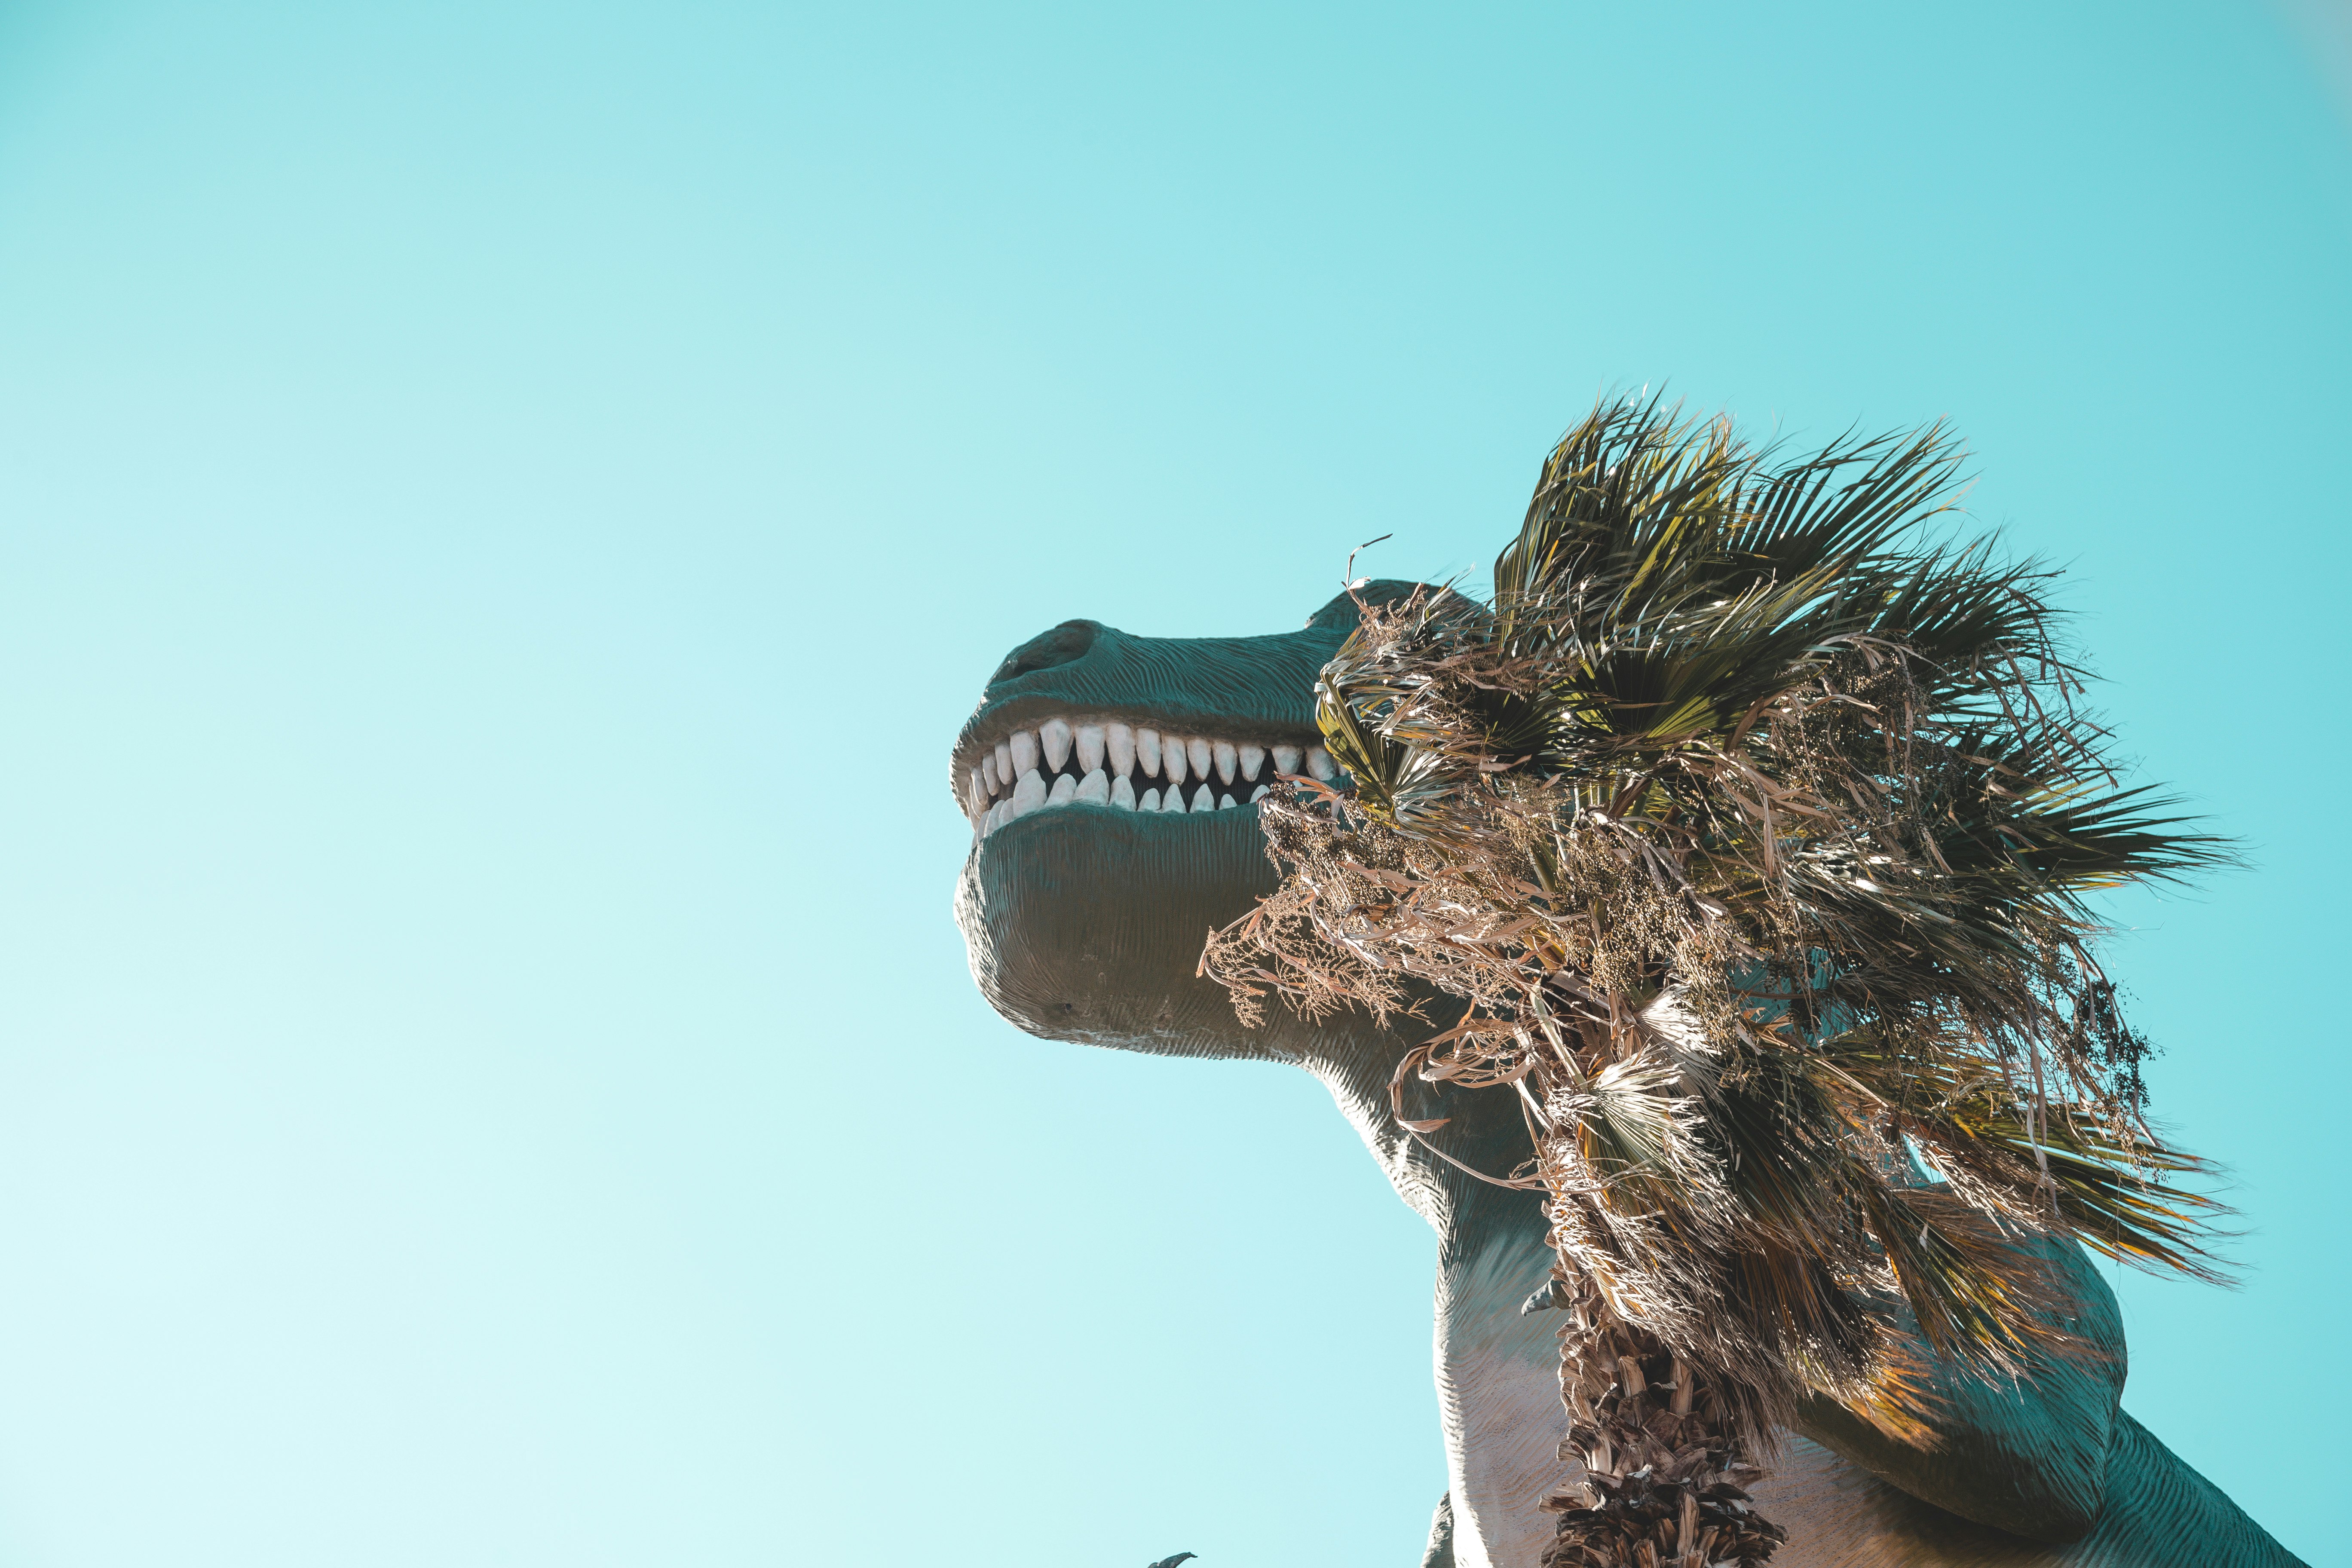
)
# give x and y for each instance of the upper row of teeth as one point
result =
(1112, 759)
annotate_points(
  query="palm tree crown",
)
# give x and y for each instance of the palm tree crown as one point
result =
(1749, 830)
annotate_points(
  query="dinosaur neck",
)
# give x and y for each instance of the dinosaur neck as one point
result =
(1498, 1368)
(1483, 1132)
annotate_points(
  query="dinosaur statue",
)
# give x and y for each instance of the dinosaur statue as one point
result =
(1108, 779)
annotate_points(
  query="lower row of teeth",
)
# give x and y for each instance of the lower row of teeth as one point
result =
(1111, 759)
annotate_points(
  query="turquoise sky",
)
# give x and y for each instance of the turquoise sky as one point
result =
(503, 506)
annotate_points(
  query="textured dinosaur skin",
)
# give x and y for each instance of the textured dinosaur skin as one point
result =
(1085, 923)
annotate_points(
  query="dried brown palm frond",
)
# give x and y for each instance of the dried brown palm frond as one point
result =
(1753, 827)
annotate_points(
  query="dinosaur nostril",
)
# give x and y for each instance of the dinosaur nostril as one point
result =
(1068, 641)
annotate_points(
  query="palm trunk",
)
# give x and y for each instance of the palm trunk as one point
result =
(1662, 1455)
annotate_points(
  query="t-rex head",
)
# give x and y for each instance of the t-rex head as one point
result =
(1089, 889)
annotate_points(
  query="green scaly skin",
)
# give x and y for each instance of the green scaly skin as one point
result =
(1085, 923)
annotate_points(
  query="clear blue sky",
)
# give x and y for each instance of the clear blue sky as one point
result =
(503, 506)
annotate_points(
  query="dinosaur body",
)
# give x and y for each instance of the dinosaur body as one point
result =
(1084, 912)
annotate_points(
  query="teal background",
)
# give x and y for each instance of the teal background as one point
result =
(503, 506)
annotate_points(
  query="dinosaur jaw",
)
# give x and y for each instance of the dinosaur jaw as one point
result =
(1087, 923)
(1027, 764)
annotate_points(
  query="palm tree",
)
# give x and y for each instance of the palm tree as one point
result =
(1748, 830)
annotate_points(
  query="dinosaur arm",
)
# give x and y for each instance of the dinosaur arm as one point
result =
(2030, 1457)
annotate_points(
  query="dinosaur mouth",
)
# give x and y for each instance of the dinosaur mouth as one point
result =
(1113, 765)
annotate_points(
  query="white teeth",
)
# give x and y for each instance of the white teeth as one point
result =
(1102, 758)
(1027, 796)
